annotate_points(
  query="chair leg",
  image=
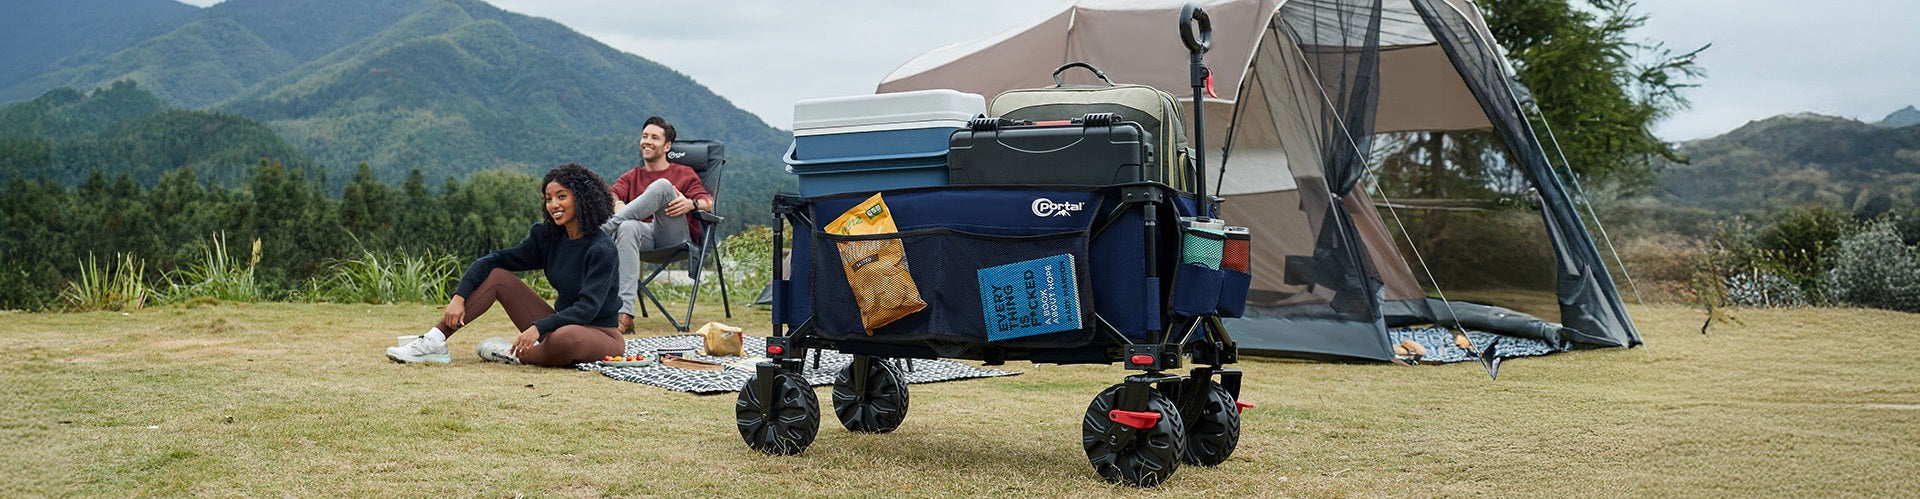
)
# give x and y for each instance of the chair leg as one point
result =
(693, 272)
(726, 303)
(650, 297)
(677, 325)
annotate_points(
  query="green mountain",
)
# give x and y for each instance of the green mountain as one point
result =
(39, 35)
(446, 86)
(1802, 159)
(65, 135)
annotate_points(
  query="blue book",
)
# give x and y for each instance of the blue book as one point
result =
(1030, 298)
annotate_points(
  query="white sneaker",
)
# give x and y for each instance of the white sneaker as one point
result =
(496, 350)
(420, 350)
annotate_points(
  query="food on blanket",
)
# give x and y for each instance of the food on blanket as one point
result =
(1414, 348)
(1460, 340)
(721, 340)
(697, 365)
(1400, 351)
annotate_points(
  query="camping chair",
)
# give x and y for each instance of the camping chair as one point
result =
(707, 158)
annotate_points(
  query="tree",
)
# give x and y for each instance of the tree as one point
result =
(422, 222)
(366, 208)
(1600, 89)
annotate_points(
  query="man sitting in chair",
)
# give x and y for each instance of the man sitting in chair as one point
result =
(650, 207)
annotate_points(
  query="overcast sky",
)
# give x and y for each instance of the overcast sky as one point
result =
(1853, 58)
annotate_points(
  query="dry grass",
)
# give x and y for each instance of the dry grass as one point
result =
(273, 399)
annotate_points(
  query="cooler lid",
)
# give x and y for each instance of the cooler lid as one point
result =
(918, 109)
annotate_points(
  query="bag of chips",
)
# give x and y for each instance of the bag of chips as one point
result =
(877, 269)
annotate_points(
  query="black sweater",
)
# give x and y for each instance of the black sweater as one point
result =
(583, 273)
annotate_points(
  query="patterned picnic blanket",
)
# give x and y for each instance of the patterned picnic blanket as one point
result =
(1440, 347)
(819, 373)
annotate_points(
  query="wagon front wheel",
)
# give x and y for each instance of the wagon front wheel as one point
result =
(781, 417)
(1124, 447)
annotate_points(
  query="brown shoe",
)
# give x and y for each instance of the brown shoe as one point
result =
(626, 324)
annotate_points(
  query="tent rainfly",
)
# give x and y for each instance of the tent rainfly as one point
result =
(1305, 88)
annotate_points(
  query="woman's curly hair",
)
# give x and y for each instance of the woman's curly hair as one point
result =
(592, 202)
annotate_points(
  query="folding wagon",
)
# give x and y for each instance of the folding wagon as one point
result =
(1072, 241)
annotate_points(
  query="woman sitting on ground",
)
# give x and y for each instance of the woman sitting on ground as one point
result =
(580, 262)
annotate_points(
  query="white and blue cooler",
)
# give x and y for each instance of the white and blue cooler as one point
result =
(877, 142)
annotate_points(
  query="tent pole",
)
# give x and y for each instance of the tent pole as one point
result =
(1233, 124)
(1586, 200)
(1327, 99)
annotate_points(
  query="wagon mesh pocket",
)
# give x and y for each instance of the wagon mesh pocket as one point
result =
(955, 273)
(1196, 282)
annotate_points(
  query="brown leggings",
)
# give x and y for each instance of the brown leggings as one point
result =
(570, 344)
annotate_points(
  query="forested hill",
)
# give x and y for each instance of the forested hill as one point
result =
(1801, 159)
(446, 86)
(37, 35)
(66, 135)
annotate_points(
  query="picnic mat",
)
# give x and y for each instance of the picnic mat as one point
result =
(741, 368)
(1440, 347)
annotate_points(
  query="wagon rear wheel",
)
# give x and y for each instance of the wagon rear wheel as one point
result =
(1216, 431)
(878, 407)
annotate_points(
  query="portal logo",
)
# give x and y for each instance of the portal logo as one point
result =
(672, 155)
(1044, 207)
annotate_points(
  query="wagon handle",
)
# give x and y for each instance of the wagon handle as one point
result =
(1078, 64)
(1202, 79)
(1190, 14)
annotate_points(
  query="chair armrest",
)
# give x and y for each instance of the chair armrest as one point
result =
(708, 216)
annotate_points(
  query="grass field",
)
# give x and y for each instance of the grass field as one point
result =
(296, 399)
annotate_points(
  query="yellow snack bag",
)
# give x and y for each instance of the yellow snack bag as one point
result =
(882, 286)
(868, 217)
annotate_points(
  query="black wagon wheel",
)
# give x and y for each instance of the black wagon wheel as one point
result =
(791, 420)
(1215, 431)
(878, 408)
(1145, 460)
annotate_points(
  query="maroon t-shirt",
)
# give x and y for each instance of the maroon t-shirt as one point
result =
(635, 181)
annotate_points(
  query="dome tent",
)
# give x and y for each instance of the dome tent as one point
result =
(1304, 87)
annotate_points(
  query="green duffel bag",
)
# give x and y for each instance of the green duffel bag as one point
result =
(1156, 111)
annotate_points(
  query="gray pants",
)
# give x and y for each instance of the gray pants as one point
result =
(632, 236)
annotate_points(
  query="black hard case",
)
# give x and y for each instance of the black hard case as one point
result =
(1097, 149)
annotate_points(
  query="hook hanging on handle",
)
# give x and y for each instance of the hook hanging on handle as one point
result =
(1198, 42)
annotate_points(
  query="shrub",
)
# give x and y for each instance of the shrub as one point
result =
(217, 276)
(749, 257)
(541, 286)
(1759, 288)
(1795, 247)
(1873, 268)
(21, 289)
(372, 278)
(118, 286)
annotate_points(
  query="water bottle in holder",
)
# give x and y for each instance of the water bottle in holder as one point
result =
(1196, 285)
(1236, 272)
